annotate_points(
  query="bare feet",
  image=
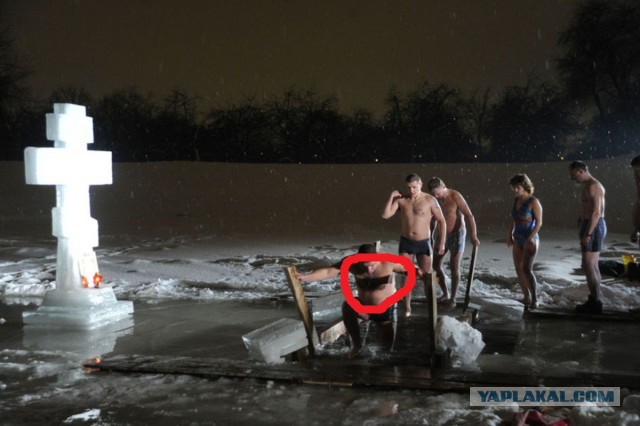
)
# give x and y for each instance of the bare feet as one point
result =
(449, 304)
(407, 313)
(525, 301)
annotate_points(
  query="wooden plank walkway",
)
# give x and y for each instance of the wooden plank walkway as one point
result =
(569, 313)
(332, 372)
(342, 373)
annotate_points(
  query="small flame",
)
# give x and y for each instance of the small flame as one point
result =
(85, 281)
(97, 279)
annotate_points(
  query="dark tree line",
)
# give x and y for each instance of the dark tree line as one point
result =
(591, 113)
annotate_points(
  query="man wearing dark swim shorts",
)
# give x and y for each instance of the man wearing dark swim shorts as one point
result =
(458, 217)
(416, 210)
(593, 231)
(414, 247)
(595, 239)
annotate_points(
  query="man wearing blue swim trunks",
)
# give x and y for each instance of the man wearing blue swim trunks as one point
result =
(456, 212)
(417, 210)
(593, 231)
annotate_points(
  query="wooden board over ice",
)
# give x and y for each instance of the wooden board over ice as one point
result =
(569, 313)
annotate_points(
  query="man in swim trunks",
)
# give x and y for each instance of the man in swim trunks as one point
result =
(375, 283)
(417, 210)
(456, 212)
(635, 235)
(593, 231)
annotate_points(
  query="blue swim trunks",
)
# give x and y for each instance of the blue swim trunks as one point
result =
(414, 247)
(596, 241)
(391, 314)
(454, 243)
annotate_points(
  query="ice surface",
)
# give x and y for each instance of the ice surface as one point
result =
(499, 306)
(464, 341)
(86, 343)
(327, 308)
(88, 415)
(273, 341)
(85, 309)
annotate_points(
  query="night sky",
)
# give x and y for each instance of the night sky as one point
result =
(224, 51)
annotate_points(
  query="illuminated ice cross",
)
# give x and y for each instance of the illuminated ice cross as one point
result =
(73, 168)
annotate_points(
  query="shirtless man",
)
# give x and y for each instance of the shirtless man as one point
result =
(635, 235)
(456, 212)
(375, 284)
(593, 231)
(417, 210)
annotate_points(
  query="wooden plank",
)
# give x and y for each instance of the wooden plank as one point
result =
(569, 313)
(340, 372)
(312, 371)
(301, 305)
(432, 307)
(472, 270)
(329, 333)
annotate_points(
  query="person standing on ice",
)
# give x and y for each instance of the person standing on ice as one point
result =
(375, 283)
(593, 230)
(635, 216)
(522, 236)
(456, 212)
(417, 210)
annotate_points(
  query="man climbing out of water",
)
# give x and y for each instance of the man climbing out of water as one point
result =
(417, 210)
(375, 283)
(456, 212)
(593, 231)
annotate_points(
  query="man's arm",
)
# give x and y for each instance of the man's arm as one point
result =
(596, 194)
(319, 274)
(436, 213)
(391, 207)
(468, 217)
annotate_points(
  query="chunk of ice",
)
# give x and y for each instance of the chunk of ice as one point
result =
(463, 340)
(273, 341)
(327, 308)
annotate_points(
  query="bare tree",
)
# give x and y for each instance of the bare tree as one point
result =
(15, 100)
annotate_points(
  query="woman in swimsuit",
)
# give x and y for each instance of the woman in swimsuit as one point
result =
(526, 220)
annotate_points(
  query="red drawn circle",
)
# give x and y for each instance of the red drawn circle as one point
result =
(376, 257)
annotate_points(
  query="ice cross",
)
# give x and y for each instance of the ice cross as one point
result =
(72, 168)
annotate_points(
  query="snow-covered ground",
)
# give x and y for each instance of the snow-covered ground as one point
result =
(200, 248)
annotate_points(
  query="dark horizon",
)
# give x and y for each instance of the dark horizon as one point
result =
(225, 52)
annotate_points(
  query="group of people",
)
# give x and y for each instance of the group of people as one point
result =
(435, 223)
(526, 221)
(442, 211)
